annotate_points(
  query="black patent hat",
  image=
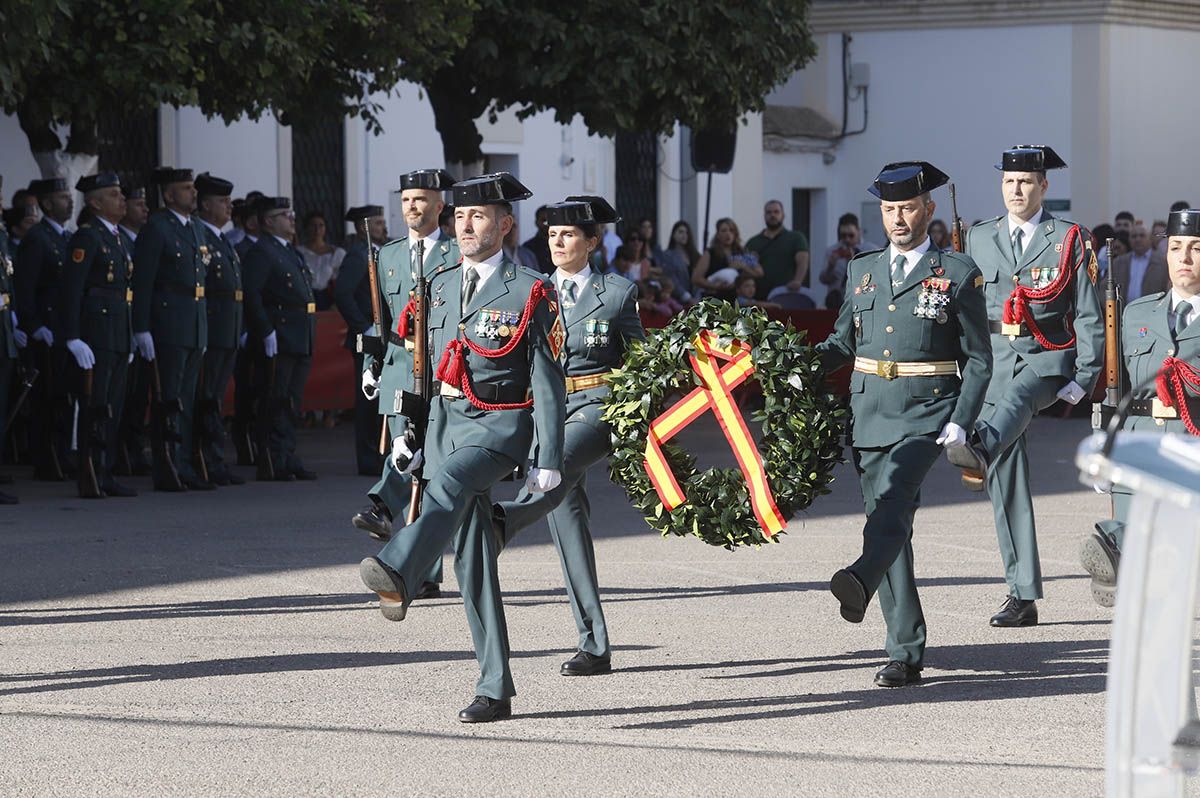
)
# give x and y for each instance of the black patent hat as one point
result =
(431, 179)
(907, 179)
(47, 186)
(581, 210)
(1184, 223)
(1030, 158)
(133, 192)
(92, 182)
(363, 212)
(264, 204)
(209, 186)
(165, 175)
(493, 189)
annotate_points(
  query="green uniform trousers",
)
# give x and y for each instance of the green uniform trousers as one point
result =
(393, 490)
(1001, 428)
(457, 506)
(1122, 497)
(178, 370)
(281, 405)
(366, 424)
(218, 368)
(568, 512)
(108, 389)
(891, 479)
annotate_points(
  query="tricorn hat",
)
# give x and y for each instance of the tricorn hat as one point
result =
(264, 204)
(47, 186)
(494, 189)
(432, 179)
(134, 192)
(1184, 223)
(907, 179)
(164, 175)
(362, 212)
(209, 186)
(581, 210)
(1030, 158)
(92, 182)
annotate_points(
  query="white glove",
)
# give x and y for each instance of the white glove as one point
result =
(44, 335)
(3, 302)
(1102, 486)
(371, 332)
(130, 358)
(1072, 393)
(370, 386)
(541, 480)
(403, 458)
(144, 344)
(84, 357)
(242, 340)
(952, 435)
(270, 345)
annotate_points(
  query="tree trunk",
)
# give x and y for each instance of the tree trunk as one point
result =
(455, 108)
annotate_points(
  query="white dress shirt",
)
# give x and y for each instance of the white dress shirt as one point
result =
(183, 220)
(1177, 300)
(580, 279)
(132, 235)
(216, 230)
(429, 241)
(485, 269)
(1138, 264)
(1027, 230)
(911, 258)
(58, 228)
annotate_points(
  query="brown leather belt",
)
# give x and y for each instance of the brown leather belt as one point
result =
(582, 383)
(1153, 408)
(492, 394)
(1020, 330)
(890, 369)
(194, 291)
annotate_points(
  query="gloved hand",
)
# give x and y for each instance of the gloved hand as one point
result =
(83, 354)
(144, 344)
(1102, 486)
(371, 332)
(541, 480)
(404, 458)
(44, 335)
(952, 435)
(130, 358)
(3, 301)
(370, 385)
(270, 345)
(242, 340)
(1072, 392)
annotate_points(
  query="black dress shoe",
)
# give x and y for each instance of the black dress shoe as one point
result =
(387, 584)
(897, 674)
(375, 521)
(283, 476)
(195, 483)
(114, 488)
(585, 664)
(170, 487)
(304, 475)
(973, 460)
(849, 590)
(429, 590)
(234, 479)
(1100, 558)
(8, 498)
(485, 710)
(1016, 612)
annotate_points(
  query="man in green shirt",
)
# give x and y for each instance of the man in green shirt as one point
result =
(782, 253)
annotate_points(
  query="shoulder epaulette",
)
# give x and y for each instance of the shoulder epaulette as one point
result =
(986, 222)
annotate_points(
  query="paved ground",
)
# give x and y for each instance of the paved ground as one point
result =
(222, 644)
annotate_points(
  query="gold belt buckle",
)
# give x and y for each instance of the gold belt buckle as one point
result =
(128, 294)
(1011, 330)
(570, 384)
(1159, 410)
(199, 292)
(885, 369)
(237, 296)
(312, 307)
(5, 298)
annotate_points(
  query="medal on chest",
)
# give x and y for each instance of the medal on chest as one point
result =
(205, 255)
(595, 332)
(495, 324)
(1043, 277)
(866, 286)
(933, 300)
(437, 296)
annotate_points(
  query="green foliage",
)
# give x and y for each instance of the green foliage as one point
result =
(801, 427)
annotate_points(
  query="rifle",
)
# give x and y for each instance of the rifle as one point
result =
(1114, 390)
(43, 352)
(89, 487)
(415, 405)
(263, 422)
(372, 345)
(201, 432)
(957, 234)
(28, 377)
(162, 435)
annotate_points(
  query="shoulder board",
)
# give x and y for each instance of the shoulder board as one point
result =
(1148, 299)
(530, 273)
(987, 222)
(950, 256)
(868, 252)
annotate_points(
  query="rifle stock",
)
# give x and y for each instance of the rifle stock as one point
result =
(1114, 389)
(372, 345)
(89, 486)
(957, 234)
(162, 434)
(28, 378)
(417, 411)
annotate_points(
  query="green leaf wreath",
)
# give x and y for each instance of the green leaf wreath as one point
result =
(801, 426)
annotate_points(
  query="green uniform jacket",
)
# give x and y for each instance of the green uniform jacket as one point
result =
(168, 272)
(8, 343)
(279, 296)
(990, 246)
(223, 291)
(352, 293)
(879, 322)
(530, 368)
(600, 329)
(396, 282)
(1146, 342)
(95, 282)
(38, 268)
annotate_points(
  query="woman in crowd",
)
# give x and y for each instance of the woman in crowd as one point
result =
(677, 261)
(322, 258)
(723, 261)
(939, 234)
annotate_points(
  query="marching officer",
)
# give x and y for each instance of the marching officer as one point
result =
(915, 328)
(1160, 338)
(38, 268)
(495, 333)
(601, 320)
(281, 319)
(1048, 341)
(387, 379)
(12, 338)
(94, 324)
(170, 322)
(352, 294)
(223, 295)
(131, 435)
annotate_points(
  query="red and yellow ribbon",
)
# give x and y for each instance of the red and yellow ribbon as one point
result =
(715, 394)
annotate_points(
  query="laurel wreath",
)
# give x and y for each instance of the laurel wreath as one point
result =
(801, 425)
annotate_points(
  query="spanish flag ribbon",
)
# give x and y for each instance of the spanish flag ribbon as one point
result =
(715, 394)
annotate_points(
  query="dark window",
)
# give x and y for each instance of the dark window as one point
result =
(319, 174)
(128, 145)
(637, 178)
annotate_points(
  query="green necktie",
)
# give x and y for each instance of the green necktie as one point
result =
(568, 291)
(1018, 245)
(898, 270)
(469, 288)
(1183, 315)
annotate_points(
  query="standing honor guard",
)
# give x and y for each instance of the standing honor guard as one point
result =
(386, 378)
(170, 324)
(915, 327)
(38, 269)
(223, 293)
(131, 433)
(94, 323)
(12, 338)
(495, 332)
(1160, 343)
(281, 318)
(1048, 340)
(601, 320)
